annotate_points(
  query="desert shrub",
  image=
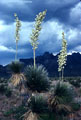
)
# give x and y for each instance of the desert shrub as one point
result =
(62, 95)
(37, 78)
(16, 67)
(38, 104)
(65, 91)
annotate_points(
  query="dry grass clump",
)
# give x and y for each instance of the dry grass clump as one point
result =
(17, 79)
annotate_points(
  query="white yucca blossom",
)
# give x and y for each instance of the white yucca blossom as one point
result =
(35, 32)
(17, 35)
(62, 57)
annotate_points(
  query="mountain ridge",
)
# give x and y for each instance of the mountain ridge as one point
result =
(49, 61)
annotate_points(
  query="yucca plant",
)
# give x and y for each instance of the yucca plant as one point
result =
(16, 66)
(61, 98)
(37, 106)
(65, 91)
(37, 78)
(17, 76)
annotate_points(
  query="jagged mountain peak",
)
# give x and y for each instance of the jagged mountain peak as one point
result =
(49, 60)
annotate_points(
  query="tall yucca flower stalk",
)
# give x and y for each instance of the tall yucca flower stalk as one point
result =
(17, 35)
(62, 57)
(35, 32)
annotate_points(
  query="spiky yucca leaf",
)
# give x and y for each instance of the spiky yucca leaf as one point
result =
(63, 109)
(54, 101)
(37, 78)
(38, 104)
(16, 67)
(57, 107)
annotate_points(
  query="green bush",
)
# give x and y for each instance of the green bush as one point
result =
(16, 67)
(38, 104)
(65, 91)
(37, 78)
(62, 95)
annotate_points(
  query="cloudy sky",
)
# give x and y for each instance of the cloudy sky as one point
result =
(62, 15)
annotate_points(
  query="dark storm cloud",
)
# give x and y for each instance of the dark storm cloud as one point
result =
(27, 11)
(7, 12)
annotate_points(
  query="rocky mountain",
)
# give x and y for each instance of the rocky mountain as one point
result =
(73, 67)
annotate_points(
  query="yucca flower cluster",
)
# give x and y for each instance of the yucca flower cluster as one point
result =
(62, 57)
(35, 32)
(17, 35)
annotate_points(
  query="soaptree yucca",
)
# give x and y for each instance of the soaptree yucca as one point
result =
(35, 32)
(17, 75)
(37, 78)
(62, 57)
(16, 66)
(61, 97)
(17, 35)
(37, 106)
